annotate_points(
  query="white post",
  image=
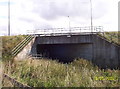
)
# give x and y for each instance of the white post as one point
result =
(69, 25)
(91, 16)
(9, 18)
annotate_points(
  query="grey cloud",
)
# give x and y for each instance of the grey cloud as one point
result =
(52, 9)
(100, 9)
(42, 26)
(37, 24)
(29, 20)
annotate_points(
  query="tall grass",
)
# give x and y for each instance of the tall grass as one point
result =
(49, 73)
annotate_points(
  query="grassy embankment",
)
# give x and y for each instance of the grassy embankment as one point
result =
(49, 73)
(113, 37)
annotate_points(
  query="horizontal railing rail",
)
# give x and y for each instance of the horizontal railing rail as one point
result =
(21, 45)
(21, 42)
(67, 31)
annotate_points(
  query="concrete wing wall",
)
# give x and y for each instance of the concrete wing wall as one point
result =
(106, 54)
(25, 51)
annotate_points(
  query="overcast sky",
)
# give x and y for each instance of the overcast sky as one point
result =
(38, 14)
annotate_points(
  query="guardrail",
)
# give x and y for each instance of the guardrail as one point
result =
(21, 45)
(66, 31)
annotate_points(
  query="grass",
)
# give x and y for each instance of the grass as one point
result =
(8, 43)
(113, 37)
(50, 73)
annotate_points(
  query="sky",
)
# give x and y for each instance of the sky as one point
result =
(42, 14)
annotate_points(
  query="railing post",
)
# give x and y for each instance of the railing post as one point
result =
(44, 31)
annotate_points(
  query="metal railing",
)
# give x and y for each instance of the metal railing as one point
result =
(66, 31)
(21, 45)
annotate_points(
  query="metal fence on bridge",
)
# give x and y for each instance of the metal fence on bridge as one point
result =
(66, 31)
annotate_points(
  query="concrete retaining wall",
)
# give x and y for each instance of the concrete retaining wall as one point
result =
(106, 54)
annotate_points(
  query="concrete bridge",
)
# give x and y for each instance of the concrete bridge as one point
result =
(66, 45)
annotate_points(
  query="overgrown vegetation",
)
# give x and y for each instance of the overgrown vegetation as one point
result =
(113, 37)
(8, 43)
(49, 73)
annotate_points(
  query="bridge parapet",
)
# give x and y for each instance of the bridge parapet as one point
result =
(74, 39)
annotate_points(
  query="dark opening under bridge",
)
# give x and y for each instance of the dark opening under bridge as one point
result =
(67, 44)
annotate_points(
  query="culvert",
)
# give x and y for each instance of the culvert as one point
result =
(65, 52)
